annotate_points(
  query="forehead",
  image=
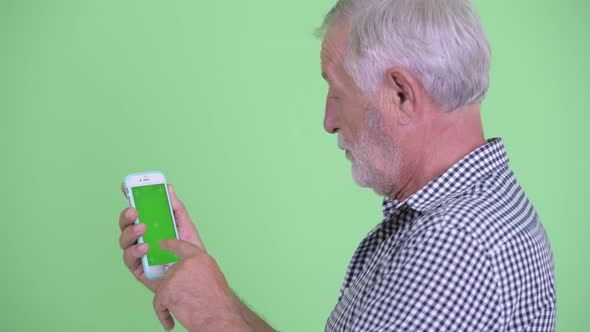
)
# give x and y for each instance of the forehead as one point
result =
(333, 48)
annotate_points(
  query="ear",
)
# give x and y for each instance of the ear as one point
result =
(402, 90)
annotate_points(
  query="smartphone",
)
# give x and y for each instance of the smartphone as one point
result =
(148, 194)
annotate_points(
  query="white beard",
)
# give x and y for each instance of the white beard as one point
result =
(374, 164)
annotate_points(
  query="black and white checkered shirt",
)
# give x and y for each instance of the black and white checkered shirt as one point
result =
(465, 253)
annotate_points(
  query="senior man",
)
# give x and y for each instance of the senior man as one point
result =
(460, 247)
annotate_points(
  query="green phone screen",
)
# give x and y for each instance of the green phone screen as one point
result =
(153, 210)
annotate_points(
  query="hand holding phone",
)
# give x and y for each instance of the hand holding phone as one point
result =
(132, 231)
(210, 285)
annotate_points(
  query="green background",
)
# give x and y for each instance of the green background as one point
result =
(226, 98)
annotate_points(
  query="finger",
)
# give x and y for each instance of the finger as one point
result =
(130, 234)
(178, 207)
(163, 314)
(132, 255)
(186, 229)
(127, 217)
(182, 249)
(124, 189)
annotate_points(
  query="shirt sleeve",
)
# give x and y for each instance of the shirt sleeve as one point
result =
(439, 280)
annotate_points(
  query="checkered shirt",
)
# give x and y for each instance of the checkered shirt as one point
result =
(465, 253)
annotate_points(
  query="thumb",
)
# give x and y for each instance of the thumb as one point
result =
(180, 212)
(182, 249)
(186, 229)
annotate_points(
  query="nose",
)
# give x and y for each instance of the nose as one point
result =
(331, 124)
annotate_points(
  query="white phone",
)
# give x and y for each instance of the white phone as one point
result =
(148, 193)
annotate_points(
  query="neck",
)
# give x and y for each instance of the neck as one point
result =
(447, 138)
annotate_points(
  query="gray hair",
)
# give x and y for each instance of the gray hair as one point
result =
(441, 42)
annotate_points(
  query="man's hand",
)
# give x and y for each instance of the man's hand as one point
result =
(192, 284)
(130, 232)
(195, 291)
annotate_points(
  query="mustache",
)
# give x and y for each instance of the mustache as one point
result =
(342, 143)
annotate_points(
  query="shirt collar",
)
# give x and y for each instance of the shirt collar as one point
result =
(487, 158)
